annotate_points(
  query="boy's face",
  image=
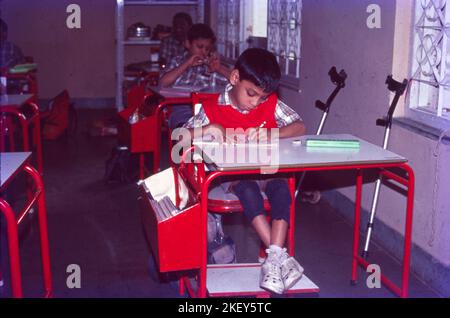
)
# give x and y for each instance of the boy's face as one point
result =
(200, 47)
(245, 95)
(180, 28)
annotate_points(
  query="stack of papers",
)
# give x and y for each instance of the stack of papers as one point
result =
(164, 208)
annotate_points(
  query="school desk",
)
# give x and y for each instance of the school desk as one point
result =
(293, 156)
(14, 105)
(24, 75)
(144, 136)
(186, 91)
(13, 164)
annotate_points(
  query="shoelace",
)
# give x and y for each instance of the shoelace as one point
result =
(275, 265)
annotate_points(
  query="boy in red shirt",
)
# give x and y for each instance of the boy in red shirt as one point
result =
(250, 101)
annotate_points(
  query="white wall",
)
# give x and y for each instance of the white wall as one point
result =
(335, 33)
(81, 60)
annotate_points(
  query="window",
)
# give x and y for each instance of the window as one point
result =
(430, 64)
(278, 22)
(229, 40)
(284, 37)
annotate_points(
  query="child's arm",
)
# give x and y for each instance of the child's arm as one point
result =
(214, 65)
(171, 76)
(297, 128)
(214, 130)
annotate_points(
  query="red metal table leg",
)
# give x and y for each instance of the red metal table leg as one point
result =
(37, 137)
(408, 232)
(401, 291)
(291, 231)
(13, 248)
(141, 166)
(43, 231)
(356, 224)
(13, 239)
(156, 159)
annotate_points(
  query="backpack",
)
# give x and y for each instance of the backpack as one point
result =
(221, 247)
(121, 166)
(56, 121)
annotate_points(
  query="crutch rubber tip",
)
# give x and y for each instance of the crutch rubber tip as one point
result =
(353, 282)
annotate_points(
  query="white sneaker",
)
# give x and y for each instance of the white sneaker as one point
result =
(291, 270)
(270, 277)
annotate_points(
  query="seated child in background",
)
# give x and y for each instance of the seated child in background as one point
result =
(248, 101)
(173, 45)
(193, 68)
(10, 54)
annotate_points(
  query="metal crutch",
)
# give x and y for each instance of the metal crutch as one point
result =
(397, 88)
(337, 79)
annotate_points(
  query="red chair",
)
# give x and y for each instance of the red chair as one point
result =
(24, 118)
(193, 171)
(144, 135)
(196, 100)
(220, 201)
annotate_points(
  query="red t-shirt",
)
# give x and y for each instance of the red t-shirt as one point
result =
(228, 117)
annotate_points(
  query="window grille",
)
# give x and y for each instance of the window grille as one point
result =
(430, 69)
(283, 33)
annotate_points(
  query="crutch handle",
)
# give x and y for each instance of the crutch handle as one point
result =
(337, 78)
(395, 86)
(382, 122)
(322, 106)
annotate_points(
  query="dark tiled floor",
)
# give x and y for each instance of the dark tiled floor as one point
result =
(98, 227)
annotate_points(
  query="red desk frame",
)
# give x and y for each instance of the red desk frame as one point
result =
(14, 110)
(401, 291)
(13, 236)
(30, 78)
(138, 136)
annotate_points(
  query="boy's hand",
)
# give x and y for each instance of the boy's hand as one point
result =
(215, 130)
(259, 134)
(195, 60)
(214, 62)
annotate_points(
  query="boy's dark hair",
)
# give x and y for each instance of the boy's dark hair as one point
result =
(201, 31)
(182, 16)
(260, 67)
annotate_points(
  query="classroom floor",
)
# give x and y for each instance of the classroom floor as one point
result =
(97, 226)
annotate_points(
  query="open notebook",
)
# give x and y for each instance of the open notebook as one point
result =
(238, 141)
(181, 90)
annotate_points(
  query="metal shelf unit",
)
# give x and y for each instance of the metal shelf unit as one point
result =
(121, 42)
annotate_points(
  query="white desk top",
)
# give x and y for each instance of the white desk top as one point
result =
(290, 154)
(185, 91)
(14, 99)
(9, 163)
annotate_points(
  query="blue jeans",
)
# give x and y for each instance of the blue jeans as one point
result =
(180, 115)
(277, 192)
